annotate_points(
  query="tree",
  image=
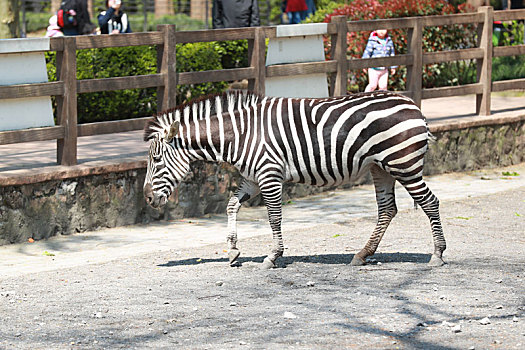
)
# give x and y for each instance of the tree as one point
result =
(8, 19)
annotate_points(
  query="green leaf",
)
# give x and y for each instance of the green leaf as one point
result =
(337, 235)
(510, 173)
(46, 253)
(463, 217)
(517, 214)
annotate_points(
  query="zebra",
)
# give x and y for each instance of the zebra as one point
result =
(320, 142)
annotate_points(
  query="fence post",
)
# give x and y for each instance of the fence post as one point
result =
(415, 71)
(167, 66)
(67, 103)
(338, 81)
(257, 58)
(484, 66)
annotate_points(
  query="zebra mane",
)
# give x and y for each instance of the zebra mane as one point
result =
(159, 126)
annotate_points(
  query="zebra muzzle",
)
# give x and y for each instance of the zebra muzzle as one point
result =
(152, 198)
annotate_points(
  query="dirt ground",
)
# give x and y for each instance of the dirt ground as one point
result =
(192, 299)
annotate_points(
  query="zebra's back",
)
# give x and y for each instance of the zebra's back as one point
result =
(333, 141)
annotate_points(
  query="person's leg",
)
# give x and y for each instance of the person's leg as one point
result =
(295, 17)
(373, 78)
(383, 79)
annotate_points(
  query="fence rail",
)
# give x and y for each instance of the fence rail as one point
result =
(166, 79)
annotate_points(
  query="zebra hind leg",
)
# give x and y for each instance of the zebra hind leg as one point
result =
(272, 194)
(386, 203)
(246, 191)
(422, 195)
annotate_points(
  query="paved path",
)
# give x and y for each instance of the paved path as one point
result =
(333, 207)
(169, 286)
(113, 147)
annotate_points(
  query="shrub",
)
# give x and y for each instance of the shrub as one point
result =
(234, 54)
(198, 57)
(510, 67)
(182, 21)
(36, 21)
(131, 61)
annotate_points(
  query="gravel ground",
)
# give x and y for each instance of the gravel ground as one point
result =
(192, 299)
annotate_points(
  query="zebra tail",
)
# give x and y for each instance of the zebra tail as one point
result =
(431, 137)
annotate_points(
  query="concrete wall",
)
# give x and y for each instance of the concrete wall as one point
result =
(44, 209)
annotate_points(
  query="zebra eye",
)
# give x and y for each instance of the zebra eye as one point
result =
(156, 158)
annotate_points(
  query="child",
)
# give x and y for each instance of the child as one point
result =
(379, 45)
(113, 20)
(53, 30)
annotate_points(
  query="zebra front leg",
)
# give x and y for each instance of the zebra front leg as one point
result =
(272, 195)
(246, 191)
(386, 208)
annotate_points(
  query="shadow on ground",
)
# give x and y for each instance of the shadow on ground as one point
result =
(327, 259)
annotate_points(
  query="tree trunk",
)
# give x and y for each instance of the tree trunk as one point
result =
(55, 5)
(9, 19)
(163, 8)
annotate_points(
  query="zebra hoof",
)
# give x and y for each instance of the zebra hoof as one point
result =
(267, 264)
(436, 261)
(357, 261)
(233, 254)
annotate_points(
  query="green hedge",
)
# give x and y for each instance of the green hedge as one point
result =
(141, 60)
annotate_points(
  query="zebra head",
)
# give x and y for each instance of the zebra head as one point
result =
(167, 165)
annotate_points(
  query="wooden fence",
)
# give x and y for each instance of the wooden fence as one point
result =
(67, 87)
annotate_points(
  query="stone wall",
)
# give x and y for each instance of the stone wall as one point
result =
(476, 147)
(61, 207)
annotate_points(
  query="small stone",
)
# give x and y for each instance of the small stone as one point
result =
(515, 319)
(442, 297)
(456, 328)
(289, 315)
(484, 321)
(472, 348)
(435, 289)
(447, 324)
(166, 302)
(422, 324)
(18, 335)
(379, 263)
(499, 306)
(219, 283)
(97, 315)
(310, 283)
(233, 304)
(164, 332)
(499, 281)
(243, 343)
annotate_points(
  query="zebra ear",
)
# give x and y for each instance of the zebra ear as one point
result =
(174, 129)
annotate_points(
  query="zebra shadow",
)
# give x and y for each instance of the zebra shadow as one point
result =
(325, 259)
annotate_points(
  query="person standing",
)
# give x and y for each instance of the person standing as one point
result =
(296, 9)
(113, 20)
(379, 45)
(73, 18)
(235, 14)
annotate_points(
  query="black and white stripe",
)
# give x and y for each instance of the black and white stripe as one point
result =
(322, 142)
